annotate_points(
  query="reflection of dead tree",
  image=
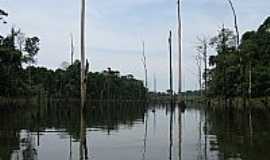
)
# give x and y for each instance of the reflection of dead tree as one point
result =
(71, 49)
(70, 147)
(180, 132)
(145, 135)
(171, 130)
(200, 155)
(83, 140)
(29, 152)
(205, 135)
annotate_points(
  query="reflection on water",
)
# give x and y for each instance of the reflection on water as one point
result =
(133, 131)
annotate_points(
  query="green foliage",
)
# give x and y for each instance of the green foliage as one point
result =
(15, 81)
(32, 48)
(232, 65)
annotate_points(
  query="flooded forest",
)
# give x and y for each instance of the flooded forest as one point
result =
(208, 103)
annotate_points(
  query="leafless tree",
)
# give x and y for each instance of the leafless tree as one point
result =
(144, 65)
(198, 60)
(83, 67)
(170, 63)
(179, 45)
(235, 23)
(71, 49)
(202, 49)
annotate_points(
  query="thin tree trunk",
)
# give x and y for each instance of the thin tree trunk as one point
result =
(83, 77)
(145, 65)
(179, 46)
(198, 62)
(71, 49)
(170, 63)
(235, 23)
(205, 67)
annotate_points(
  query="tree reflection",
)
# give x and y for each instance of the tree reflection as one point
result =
(83, 139)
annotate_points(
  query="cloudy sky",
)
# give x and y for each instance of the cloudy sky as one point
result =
(116, 29)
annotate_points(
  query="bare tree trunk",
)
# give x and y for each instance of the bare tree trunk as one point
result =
(145, 65)
(202, 49)
(199, 65)
(71, 49)
(155, 83)
(235, 23)
(83, 139)
(180, 46)
(83, 70)
(170, 63)
(205, 66)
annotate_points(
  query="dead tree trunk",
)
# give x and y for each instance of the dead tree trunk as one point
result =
(83, 70)
(71, 49)
(179, 46)
(198, 60)
(144, 65)
(202, 49)
(170, 63)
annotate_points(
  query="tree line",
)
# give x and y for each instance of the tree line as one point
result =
(240, 70)
(20, 78)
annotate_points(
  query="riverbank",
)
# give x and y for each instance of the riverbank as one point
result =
(241, 103)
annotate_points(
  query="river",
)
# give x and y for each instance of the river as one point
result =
(133, 131)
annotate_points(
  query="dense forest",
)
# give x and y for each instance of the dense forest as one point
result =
(240, 70)
(20, 78)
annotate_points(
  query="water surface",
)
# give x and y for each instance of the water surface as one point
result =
(133, 131)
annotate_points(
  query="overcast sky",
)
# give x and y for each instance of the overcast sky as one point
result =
(116, 29)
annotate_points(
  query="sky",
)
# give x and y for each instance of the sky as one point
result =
(115, 30)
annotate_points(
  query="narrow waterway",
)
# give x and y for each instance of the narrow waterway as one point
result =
(134, 132)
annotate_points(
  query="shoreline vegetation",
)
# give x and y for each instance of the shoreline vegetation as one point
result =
(238, 72)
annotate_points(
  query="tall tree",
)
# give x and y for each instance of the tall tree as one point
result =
(71, 49)
(179, 45)
(31, 48)
(170, 63)
(144, 61)
(83, 66)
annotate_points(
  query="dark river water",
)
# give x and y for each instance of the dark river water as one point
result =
(133, 131)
